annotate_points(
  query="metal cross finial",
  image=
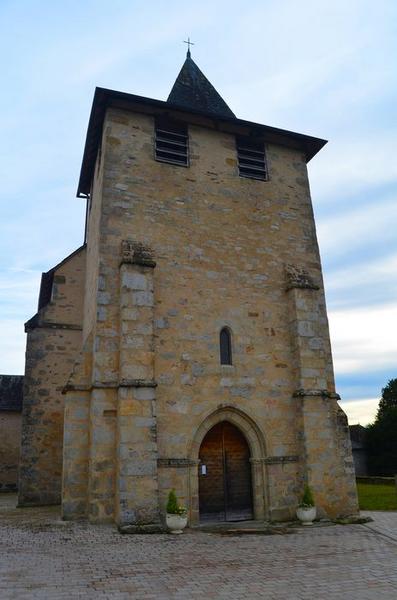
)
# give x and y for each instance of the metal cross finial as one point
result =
(189, 43)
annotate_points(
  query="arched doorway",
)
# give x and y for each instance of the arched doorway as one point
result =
(225, 483)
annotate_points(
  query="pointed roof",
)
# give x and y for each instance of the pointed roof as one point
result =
(192, 90)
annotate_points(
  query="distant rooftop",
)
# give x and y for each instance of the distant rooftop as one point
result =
(11, 392)
(358, 435)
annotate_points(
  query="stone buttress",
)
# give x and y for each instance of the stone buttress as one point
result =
(137, 486)
(110, 445)
(325, 436)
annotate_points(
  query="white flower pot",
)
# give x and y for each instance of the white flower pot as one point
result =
(176, 523)
(306, 514)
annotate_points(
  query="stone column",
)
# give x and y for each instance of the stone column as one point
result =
(75, 454)
(137, 484)
(325, 436)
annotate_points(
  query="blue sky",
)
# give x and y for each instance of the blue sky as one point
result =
(318, 67)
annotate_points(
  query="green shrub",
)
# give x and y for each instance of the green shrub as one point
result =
(173, 508)
(307, 498)
(172, 504)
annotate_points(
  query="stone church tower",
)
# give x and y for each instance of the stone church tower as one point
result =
(186, 343)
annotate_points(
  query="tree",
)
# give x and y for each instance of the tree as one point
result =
(382, 434)
(389, 396)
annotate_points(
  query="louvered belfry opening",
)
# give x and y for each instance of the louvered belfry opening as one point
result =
(172, 142)
(251, 158)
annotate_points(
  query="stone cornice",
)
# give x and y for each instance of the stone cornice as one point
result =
(110, 385)
(302, 393)
(37, 324)
(177, 462)
(78, 387)
(279, 460)
(137, 383)
(275, 460)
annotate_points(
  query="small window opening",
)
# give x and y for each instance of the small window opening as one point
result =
(171, 142)
(251, 159)
(225, 346)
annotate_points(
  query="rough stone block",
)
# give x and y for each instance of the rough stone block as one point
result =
(135, 281)
(144, 393)
(142, 298)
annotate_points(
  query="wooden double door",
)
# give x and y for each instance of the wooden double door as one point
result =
(225, 486)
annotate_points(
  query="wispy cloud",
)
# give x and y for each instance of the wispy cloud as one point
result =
(347, 165)
(335, 78)
(364, 338)
(12, 347)
(370, 282)
(348, 231)
(361, 412)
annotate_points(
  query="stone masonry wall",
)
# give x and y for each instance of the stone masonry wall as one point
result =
(10, 441)
(221, 244)
(53, 342)
(11, 398)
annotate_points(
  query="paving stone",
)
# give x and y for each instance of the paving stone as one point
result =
(44, 558)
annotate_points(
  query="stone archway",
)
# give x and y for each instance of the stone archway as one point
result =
(255, 441)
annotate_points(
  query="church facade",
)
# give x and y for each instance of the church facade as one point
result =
(185, 345)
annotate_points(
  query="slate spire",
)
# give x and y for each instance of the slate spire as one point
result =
(193, 90)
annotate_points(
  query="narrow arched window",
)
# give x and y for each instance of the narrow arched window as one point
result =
(225, 346)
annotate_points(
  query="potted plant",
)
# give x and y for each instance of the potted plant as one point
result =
(176, 517)
(306, 510)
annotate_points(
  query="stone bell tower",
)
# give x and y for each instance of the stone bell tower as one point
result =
(205, 363)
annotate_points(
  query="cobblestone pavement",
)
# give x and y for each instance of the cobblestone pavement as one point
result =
(43, 558)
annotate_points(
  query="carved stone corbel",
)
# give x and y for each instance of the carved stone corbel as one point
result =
(298, 277)
(136, 253)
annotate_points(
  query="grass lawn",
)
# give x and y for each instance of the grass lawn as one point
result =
(377, 496)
